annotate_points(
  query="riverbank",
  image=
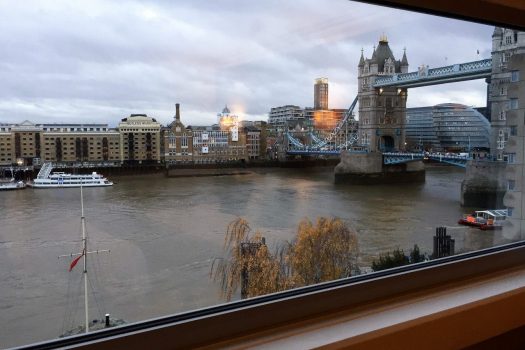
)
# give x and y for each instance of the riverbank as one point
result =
(174, 172)
(188, 170)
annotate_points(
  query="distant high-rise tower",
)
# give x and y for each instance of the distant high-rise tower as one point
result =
(321, 93)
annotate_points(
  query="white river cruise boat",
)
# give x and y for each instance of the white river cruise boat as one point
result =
(46, 179)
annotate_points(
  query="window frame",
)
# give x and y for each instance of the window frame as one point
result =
(257, 314)
(410, 277)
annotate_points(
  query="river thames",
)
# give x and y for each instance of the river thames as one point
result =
(163, 234)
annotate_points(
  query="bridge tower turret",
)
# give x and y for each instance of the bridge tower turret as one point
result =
(505, 44)
(382, 112)
(404, 62)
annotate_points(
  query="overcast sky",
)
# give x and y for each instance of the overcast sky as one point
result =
(99, 61)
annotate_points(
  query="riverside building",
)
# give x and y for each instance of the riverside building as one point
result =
(30, 144)
(95, 143)
(203, 144)
(20, 143)
(318, 117)
(253, 142)
(226, 120)
(6, 145)
(178, 145)
(279, 117)
(139, 140)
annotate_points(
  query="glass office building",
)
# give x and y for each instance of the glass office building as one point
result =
(446, 127)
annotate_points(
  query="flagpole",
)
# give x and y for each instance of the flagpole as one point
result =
(83, 255)
(84, 239)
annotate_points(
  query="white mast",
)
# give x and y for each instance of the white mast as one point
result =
(84, 254)
(84, 250)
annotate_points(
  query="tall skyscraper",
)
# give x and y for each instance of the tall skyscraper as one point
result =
(321, 93)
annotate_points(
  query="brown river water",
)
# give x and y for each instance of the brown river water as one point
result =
(163, 234)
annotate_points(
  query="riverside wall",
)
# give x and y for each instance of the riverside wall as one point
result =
(182, 170)
(189, 169)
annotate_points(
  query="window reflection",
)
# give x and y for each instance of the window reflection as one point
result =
(335, 188)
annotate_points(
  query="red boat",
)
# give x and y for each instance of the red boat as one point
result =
(485, 219)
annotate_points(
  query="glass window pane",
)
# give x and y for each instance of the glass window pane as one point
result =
(244, 151)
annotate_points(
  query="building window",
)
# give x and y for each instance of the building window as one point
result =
(513, 130)
(511, 158)
(511, 184)
(508, 39)
(513, 103)
(515, 76)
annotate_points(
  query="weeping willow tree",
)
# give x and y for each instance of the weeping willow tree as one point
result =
(320, 252)
(248, 264)
(323, 251)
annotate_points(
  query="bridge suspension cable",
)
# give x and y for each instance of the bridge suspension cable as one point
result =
(319, 143)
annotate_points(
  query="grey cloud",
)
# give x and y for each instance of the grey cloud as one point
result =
(101, 60)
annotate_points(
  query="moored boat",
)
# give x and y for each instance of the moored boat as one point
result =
(485, 219)
(12, 184)
(46, 179)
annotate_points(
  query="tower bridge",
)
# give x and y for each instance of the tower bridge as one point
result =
(382, 92)
(379, 134)
(373, 149)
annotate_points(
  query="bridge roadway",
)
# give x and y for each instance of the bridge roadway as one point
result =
(394, 157)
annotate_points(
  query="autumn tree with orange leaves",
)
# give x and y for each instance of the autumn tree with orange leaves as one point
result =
(320, 252)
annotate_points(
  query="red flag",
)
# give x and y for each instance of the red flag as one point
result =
(74, 262)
